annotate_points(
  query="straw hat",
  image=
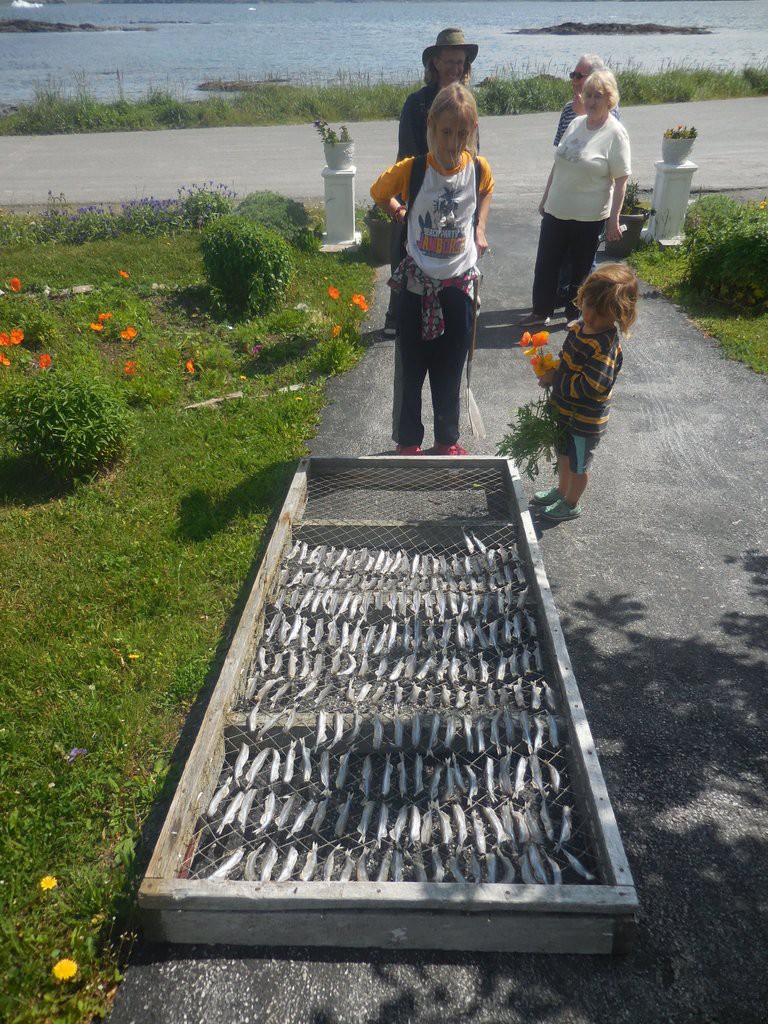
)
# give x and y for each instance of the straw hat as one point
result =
(450, 37)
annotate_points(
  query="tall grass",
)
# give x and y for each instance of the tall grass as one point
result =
(360, 97)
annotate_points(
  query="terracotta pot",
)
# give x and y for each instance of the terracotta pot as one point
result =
(339, 155)
(676, 151)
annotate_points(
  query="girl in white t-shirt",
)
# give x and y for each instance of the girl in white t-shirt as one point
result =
(438, 277)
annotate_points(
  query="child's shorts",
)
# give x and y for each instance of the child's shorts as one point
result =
(580, 451)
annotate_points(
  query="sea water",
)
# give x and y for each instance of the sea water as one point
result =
(178, 46)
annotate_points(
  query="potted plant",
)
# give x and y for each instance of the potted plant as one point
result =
(632, 218)
(379, 225)
(338, 146)
(677, 144)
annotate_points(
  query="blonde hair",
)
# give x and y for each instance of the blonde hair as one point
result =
(430, 71)
(611, 291)
(459, 102)
(605, 81)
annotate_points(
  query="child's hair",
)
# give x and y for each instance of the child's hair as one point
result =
(460, 103)
(611, 291)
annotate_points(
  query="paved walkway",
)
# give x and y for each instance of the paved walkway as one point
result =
(662, 588)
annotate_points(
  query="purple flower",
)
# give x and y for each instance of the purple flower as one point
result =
(74, 753)
(256, 349)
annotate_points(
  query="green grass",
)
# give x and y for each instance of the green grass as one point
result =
(353, 98)
(741, 336)
(118, 595)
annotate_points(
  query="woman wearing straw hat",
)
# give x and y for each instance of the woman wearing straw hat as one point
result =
(448, 61)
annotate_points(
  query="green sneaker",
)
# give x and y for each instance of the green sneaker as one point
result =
(561, 511)
(546, 497)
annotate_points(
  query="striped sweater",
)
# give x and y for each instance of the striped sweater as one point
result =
(582, 385)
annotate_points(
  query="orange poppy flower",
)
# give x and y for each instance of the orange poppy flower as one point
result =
(123, 273)
(4, 340)
(130, 368)
(189, 366)
(4, 360)
(15, 284)
(333, 292)
(103, 316)
(540, 339)
(336, 330)
(359, 300)
(97, 327)
(17, 336)
(525, 340)
(129, 333)
(44, 361)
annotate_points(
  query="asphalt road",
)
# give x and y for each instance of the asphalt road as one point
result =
(662, 589)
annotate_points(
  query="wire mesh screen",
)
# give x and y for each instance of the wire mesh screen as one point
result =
(399, 721)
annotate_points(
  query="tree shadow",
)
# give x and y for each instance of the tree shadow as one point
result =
(202, 515)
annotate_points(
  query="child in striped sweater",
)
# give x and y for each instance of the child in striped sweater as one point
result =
(582, 384)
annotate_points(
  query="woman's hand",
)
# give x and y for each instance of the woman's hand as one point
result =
(480, 241)
(613, 230)
(545, 380)
(541, 207)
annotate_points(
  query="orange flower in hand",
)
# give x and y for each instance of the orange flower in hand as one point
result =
(189, 366)
(359, 300)
(540, 339)
(17, 336)
(129, 333)
(44, 361)
(333, 292)
(525, 340)
(15, 284)
(124, 273)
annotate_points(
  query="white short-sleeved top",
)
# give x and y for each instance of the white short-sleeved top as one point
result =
(586, 163)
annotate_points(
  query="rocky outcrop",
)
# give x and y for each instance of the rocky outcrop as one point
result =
(610, 28)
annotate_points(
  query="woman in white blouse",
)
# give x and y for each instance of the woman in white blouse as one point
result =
(585, 187)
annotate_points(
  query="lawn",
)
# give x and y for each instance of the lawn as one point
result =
(120, 592)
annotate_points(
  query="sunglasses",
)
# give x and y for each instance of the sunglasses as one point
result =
(576, 75)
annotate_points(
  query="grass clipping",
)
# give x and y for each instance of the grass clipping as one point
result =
(532, 436)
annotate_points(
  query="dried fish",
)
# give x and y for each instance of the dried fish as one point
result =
(453, 867)
(365, 819)
(362, 867)
(341, 821)
(282, 818)
(245, 808)
(387, 777)
(229, 815)
(566, 827)
(220, 794)
(446, 835)
(249, 871)
(228, 866)
(400, 823)
(438, 872)
(348, 869)
(290, 759)
(269, 811)
(478, 831)
(307, 873)
(290, 863)
(268, 863)
(460, 821)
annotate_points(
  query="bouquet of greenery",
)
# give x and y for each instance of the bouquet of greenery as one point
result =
(532, 436)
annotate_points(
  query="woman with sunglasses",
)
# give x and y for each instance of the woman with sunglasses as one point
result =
(586, 64)
(584, 192)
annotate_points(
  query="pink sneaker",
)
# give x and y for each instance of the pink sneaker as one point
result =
(409, 449)
(449, 449)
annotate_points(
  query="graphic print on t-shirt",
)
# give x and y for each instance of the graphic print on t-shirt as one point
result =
(442, 237)
(571, 149)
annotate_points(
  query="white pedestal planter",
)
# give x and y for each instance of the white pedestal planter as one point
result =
(676, 151)
(671, 193)
(339, 209)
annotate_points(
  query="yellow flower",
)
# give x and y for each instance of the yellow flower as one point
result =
(762, 204)
(49, 882)
(65, 969)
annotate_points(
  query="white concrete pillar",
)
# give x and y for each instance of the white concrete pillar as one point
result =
(671, 193)
(339, 209)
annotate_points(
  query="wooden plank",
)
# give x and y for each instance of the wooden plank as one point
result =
(204, 763)
(385, 929)
(449, 897)
(594, 791)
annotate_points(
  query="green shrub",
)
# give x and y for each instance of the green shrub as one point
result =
(41, 328)
(281, 214)
(727, 248)
(248, 267)
(73, 423)
(337, 355)
(204, 203)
